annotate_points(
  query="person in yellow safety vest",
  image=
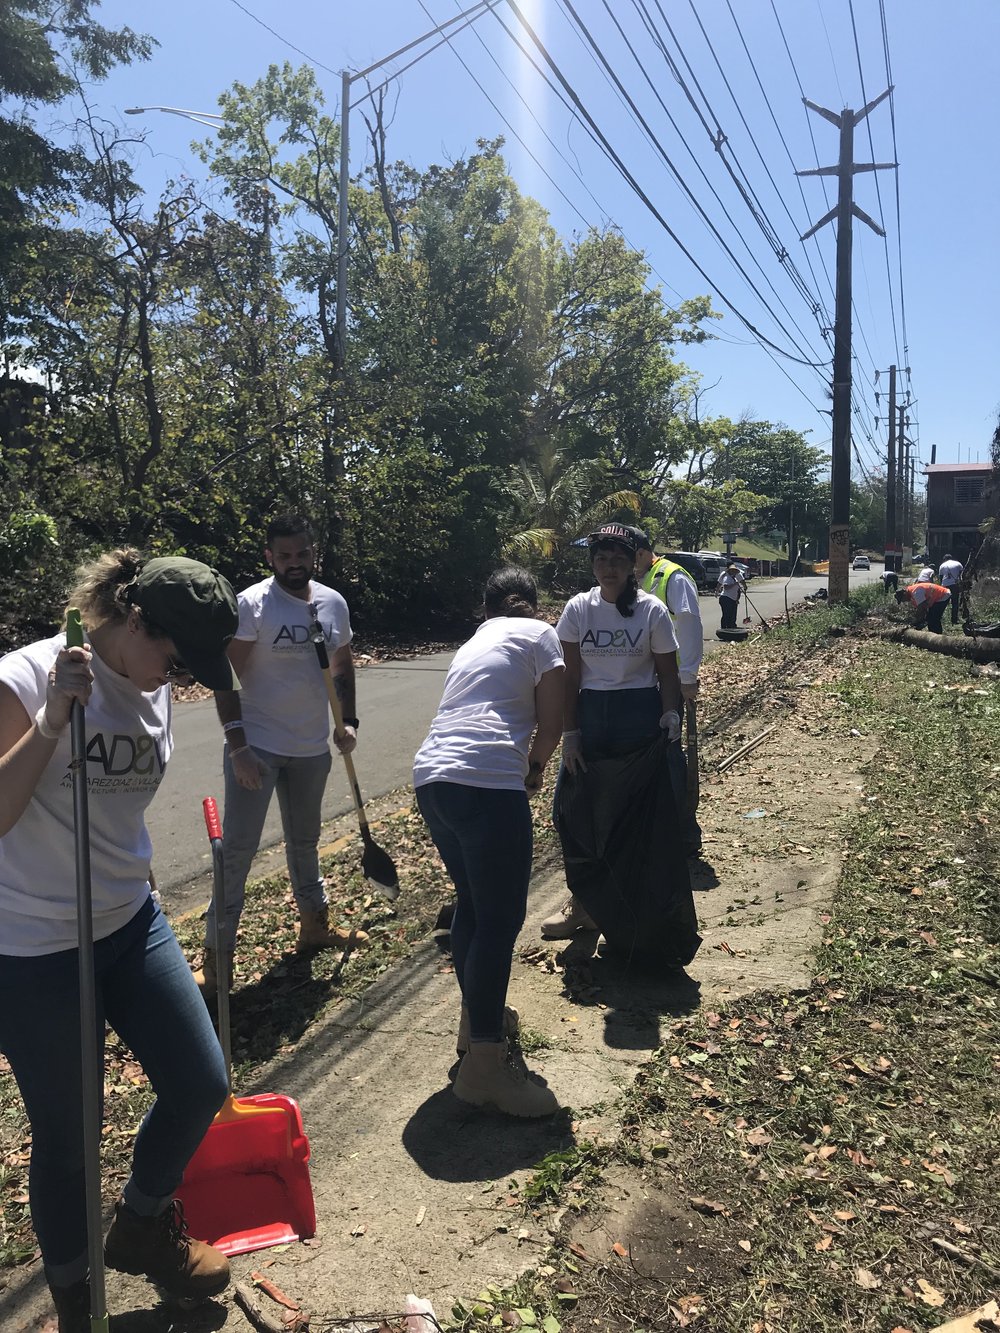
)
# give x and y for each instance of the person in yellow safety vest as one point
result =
(677, 590)
(929, 601)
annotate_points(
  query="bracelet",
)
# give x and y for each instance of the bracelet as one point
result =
(242, 749)
(45, 728)
(351, 722)
(232, 726)
(572, 733)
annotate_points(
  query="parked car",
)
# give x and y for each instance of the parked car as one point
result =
(692, 563)
(861, 562)
(715, 562)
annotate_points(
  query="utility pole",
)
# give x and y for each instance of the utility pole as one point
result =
(906, 550)
(900, 488)
(845, 210)
(890, 479)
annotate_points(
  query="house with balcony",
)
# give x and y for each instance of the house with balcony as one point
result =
(959, 497)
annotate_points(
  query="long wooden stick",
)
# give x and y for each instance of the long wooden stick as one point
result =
(750, 745)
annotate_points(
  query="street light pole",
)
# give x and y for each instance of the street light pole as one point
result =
(347, 79)
(208, 118)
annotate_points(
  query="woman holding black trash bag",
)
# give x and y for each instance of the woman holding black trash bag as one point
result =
(473, 776)
(614, 806)
(147, 625)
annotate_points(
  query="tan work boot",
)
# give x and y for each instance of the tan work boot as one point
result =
(207, 976)
(161, 1249)
(564, 924)
(511, 1023)
(491, 1075)
(315, 932)
(72, 1307)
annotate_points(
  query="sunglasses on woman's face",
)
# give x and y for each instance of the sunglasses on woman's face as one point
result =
(176, 670)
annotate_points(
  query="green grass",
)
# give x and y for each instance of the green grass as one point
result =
(841, 1128)
(747, 546)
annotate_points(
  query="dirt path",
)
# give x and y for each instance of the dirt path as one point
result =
(416, 1192)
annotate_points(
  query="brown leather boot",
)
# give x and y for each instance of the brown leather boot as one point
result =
(315, 932)
(207, 976)
(72, 1307)
(161, 1249)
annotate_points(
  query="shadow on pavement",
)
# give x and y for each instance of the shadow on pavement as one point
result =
(451, 1141)
(637, 995)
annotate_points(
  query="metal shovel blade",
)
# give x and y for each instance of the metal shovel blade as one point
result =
(378, 867)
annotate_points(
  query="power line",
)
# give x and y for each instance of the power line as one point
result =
(284, 40)
(763, 223)
(895, 158)
(604, 212)
(642, 194)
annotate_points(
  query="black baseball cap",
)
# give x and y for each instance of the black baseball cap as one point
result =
(619, 533)
(642, 542)
(196, 607)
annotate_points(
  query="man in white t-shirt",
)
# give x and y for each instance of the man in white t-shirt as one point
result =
(950, 573)
(277, 731)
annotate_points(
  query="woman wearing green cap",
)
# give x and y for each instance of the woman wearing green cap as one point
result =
(147, 624)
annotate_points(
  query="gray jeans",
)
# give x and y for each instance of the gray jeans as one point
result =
(300, 784)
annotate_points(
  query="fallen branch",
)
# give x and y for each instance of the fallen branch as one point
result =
(970, 648)
(750, 745)
(263, 1320)
(963, 1256)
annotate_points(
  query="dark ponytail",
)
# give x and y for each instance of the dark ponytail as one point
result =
(627, 598)
(511, 591)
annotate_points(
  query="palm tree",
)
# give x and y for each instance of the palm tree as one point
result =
(556, 500)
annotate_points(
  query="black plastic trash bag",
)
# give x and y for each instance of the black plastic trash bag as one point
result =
(624, 855)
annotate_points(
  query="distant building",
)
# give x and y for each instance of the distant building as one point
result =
(959, 497)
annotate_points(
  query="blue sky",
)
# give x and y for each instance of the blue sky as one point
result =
(943, 61)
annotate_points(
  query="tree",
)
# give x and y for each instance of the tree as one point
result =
(556, 501)
(694, 513)
(41, 44)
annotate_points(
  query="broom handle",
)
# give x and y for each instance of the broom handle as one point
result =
(214, 828)
(90, 1072)
(338, 729)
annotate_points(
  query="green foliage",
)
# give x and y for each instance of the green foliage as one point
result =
(502, 390)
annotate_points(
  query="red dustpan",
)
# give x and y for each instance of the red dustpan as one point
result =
(247, 1187)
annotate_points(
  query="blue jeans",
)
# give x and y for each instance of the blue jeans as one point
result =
(485, 840)
(300, 784)
(146, 992)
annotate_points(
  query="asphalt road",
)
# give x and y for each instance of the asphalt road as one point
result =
(396, 702)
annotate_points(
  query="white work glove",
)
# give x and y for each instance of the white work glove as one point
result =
(670, 722)
(347, 740)
(247, 767)
(71, 678)
(689, 691)
(572, 752)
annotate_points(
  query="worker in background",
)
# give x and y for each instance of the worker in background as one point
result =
(671, 584)
(950, 573)
(929, 601)
(926, 574)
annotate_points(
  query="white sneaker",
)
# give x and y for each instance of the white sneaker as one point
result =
(564, 924)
